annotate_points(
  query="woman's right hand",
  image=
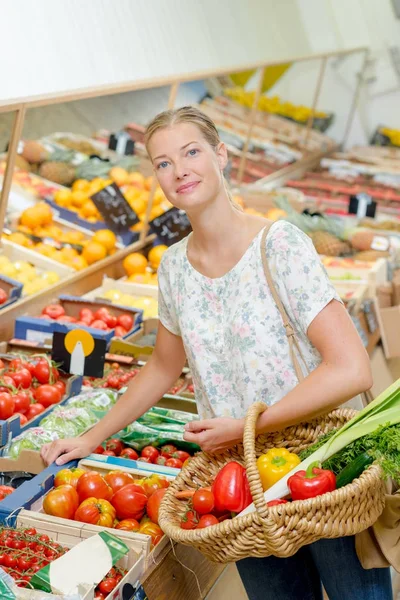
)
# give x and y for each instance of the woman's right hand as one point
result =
(62, 451)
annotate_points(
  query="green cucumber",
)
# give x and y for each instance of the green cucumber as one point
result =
(353, 469)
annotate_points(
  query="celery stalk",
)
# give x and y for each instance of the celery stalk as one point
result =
(384, 410)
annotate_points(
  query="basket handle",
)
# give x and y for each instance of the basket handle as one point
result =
(253, 476)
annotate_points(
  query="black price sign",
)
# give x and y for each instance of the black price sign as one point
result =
(362, 205)
(172, 226)
(115, 209)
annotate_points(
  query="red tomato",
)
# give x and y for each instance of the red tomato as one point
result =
(96, 512)
(109, 453)
(6, 490)
(203, 501)
(61, 502)
(1, 364)
(67, 319)
(3, 296)
(60, 385)
(181, 455)
(22, 378)
(42, 371)
(14, 364)
(30, 366)
(153, 530)
(86, 314)
(153, 504)
(68, 477)
(168, 450)
(153, 483)
(110, 321)
(34, 410)
(107, 585)
(125, 321)
(93, 485)
(207, 521)
(22, 402)
(6, 405)
(102, 314)
(47, 395)
(99, 596)
(98, 450)
(189, 520)
(129, 453)
(130, 502)
(99, 325)
(54, 311)
(174, 463)
(161, 460)
(118, 479)
(144, 459)
(151, 453)
(120, 331)
(128, 525)
(22, 418)
(115, 445)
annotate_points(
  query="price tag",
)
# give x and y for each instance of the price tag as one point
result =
(362, 205)
(79, 353)
(115, 209)
(172, 226)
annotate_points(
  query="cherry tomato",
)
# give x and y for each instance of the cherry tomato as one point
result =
(99, 596)
(85, 314)
(24, 564)
(207, 521)
(47, 395)
(102, 314)
(1, 364)
(110, 321)
(174, 463)
(10, 561)
(181, 455)
(113, 382)
(3, 296)
(22, 418)
(203, 501)
(151, 453)
(34, 410)
(161, 460)
(189, 520)
(6, 405)
(22, 378)
(107, 585)
(98, 450)
(97, 324)
(30, 531)
(125, 321)
(129, 453)
(54, 311)
(109, 453)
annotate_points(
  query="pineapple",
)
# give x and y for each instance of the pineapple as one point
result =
(328, 244)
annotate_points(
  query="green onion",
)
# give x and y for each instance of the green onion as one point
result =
(384, 410)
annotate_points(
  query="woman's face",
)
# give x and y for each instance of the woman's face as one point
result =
(188, 169)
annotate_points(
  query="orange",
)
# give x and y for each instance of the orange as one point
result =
(55, 232)
(137, 227)
(155, 256)
(119, 175)
(93, 251)
(78, 198)
(68, 253)
(73, 237)
(78, 263)
(89, 210)
(18, 238)
(45, 249)
(63, 198)
(140, 278)
(138, 205)
(156, 211)
(135, 263)
(148, 182)
(81, 185)
(105, 237)
(31, 218)
(136, 179)
(45, 211)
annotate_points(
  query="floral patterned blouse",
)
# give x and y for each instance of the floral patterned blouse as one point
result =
(231, 328)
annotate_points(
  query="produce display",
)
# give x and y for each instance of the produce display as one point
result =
(33, 279)
(140, 269)
(24, 552)
(101, 319)
(118, 500)
(168, 455)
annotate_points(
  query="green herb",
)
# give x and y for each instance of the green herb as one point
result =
(320, 442)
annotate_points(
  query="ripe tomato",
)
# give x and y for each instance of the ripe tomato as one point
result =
(144, 459)
(98, 450)
(68, 477)
(168, 450)
(107, 585)
(85, 314)
(153, 504)
(99, 596)
(161, 460)
(129, 453)
(62, 501)
(181, 455)
(120, 331)
(93, 485)
(151, 453)
(203, 501)
(22, 402)
(102, 314)
(109, 453)
(22, 418)
(96, 512)
(54, 311)
(47, 395)
(3, 296)
(60, 385)
(118, 479)
(125, 321)
(99, 325)
(207, 521)
(6, 405)
(189, 520)
(42, 371)
(130, 502)
(115, 445)
(14, 364)
(153, 483)
(67, 319)
(22, 378)
(128, 525)
(174, 463)
(153, 530)
(10, 561)
(34, 410)
(110, 321)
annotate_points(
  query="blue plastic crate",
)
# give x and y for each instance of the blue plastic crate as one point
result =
(117, 461)
(12, 288)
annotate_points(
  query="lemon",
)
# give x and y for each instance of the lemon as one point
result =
(51, 277)
(4, 260)
(113, 295)
(9, 270)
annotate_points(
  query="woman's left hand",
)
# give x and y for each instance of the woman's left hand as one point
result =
(215, 435)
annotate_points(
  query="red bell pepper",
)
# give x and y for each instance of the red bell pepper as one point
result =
(313, 482)
(276, 502)
(231, 488)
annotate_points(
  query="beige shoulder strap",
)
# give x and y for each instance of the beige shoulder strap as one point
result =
(293, 343)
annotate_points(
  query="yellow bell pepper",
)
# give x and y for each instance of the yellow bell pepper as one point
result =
(274, 464)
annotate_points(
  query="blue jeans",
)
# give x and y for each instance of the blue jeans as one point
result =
(333, 562)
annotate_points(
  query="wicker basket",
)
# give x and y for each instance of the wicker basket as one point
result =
(280, 530)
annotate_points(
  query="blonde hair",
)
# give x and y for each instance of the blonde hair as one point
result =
(194, 116)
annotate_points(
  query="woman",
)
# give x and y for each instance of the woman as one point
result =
(216, 309)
